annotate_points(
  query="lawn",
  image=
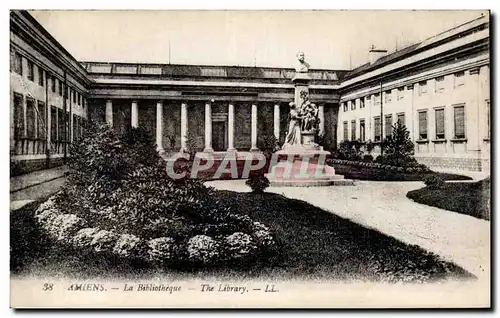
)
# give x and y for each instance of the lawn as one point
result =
(377, 174)
(470, 198)
(312, 244)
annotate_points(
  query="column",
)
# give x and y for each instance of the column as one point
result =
(254, 128)
(184, 127)
(49, 127)
(208, 127)
(321, 117)
(135, 114)
(277, 121)
(109, 112)
(159, 126)
(230, 127)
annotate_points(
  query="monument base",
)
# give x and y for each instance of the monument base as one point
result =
(304, 166)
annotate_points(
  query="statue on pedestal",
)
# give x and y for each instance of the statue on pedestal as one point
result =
(293, 137)
(302, 66)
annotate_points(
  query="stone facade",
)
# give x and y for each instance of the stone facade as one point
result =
(225, 108)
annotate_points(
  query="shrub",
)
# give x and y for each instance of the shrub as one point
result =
(434, 181)
(349, 150)
(65, 226)
(367, 158)
(161, 249)
(258, 183)
(118, 199)
(127, 245)
(269, 144)
(202, 248)
(104, 241)
(239, 245)
(398, 148)
(84, 237)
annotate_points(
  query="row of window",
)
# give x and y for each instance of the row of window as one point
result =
(377, 132)
(439, 115)
(34, 124)
(55, 85)
(439, 123)
(399, 92)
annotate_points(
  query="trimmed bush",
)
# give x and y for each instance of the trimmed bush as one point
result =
(258, 183)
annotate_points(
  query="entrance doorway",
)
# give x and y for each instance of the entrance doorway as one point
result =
(219, 135)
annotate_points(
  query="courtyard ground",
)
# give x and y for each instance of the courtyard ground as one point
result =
(458, 238)
(29, 187)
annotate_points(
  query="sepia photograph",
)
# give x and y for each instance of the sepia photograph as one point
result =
(250, 159)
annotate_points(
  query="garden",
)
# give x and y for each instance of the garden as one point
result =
(120, 215)
(353, 160)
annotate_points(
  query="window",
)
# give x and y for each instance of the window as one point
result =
(53, 124)
(74, 97)
(344, 105)
(353, 129)
(75, 127)
(60, 125)
(53, 84)
(377, 98)
(42, 129)
(18, 116)
(41, 80)
(459, 79)
(362, 129)
(388, 96)
(401, 119)
(439, 113)
(60, 88)
(388, 126)
(30, 118)
(422, 125)
(401, 93)
(459, 121)
(18, 63)
(353, 105)
(31, 71)
(362, 102)
(440, 84)
(422, 87)
(346, 132)
(376, 122)
(488, 119)
(79, 99)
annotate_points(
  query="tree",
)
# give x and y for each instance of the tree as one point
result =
(398, 148)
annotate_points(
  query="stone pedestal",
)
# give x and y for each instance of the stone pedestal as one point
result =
(304, 167)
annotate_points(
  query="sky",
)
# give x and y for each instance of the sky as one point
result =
(330, 39)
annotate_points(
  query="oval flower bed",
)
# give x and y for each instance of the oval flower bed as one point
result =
(211, 246)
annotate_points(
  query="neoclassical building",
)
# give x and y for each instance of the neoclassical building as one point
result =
(439, 88)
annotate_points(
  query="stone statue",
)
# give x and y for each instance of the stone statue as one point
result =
(293, 136)
(310, 117)
(302, 66)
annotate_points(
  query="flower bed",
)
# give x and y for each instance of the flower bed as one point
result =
(215, 246)
(409, 169)
(374, 171)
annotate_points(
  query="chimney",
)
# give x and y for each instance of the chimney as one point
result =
(374, 54)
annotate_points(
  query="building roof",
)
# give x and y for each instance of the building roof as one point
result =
(446, 36)
(207, 71)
